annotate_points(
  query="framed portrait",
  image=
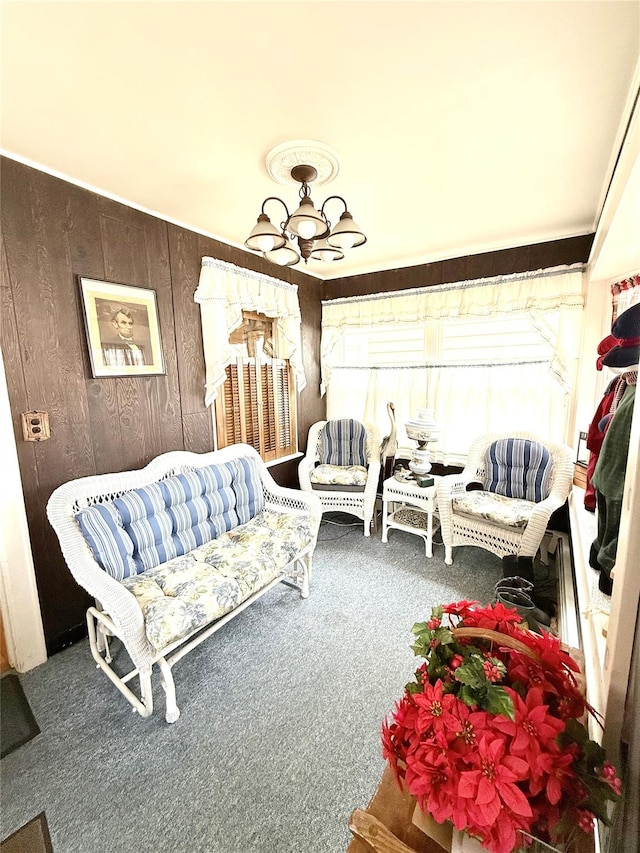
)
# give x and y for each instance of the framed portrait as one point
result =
(123, 333)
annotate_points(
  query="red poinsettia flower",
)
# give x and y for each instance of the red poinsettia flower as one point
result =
(434, 711)
(463, 608)
(389, 749)
(469, 728)
(491, 787)
(432, 779)
(502, 836)
(495, 617)
(554, 770)
(534, 728)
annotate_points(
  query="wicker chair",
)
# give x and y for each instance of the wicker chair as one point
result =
(342, 466)
(523, 479)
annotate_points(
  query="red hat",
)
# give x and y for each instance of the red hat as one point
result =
(603, 348)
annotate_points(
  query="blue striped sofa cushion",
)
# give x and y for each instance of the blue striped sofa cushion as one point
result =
(167, 519)
(110, 544)
(518, 468)
(343, 442)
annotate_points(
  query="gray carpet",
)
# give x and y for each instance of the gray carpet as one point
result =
(281, 710)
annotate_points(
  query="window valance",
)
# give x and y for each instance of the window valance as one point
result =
(534, 292)
(224, 292)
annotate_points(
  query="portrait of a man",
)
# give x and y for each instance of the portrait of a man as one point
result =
(122, 329)
(122, 341)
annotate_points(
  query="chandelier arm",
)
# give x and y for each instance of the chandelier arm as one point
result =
(339, 197)
(275, 198)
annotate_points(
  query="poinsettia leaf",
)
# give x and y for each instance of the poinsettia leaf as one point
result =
(419, 628)
(499, 665)
(575, 732)
(497, 701)
(471, 674)
(444, 635)
(594, 754)
(468, 696)
(599, 794)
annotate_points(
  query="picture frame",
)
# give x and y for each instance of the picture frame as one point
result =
(123, 330)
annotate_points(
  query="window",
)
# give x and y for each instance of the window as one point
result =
(256, 404)
(517, 337)
(487, 356)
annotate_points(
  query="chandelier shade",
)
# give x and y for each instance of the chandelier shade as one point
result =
(308, 226)
(346, 234)
(285, 255)
(264, 237)
(307, 222)
(322, 251)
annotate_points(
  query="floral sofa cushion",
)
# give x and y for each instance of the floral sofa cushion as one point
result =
(339, 475)
(497, 509)
(190, 591)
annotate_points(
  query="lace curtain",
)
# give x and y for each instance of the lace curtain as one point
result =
(625, 294)
(224, 292)
(515, 386)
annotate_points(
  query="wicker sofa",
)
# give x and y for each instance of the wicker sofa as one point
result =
(173, 551)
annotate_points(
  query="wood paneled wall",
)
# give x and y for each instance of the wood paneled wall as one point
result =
(537, 256)
(52, 232)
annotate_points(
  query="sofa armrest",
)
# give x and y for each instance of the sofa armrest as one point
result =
(113, 597)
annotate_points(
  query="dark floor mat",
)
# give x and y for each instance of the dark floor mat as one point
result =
(17, 723)
(33, 837)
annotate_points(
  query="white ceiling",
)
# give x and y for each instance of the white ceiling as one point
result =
(460, 127)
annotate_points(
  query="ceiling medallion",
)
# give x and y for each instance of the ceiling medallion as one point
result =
(302, 152)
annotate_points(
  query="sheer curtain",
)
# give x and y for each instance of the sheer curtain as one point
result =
(224, 291)
(494, 354)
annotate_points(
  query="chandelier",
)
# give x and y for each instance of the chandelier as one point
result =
(314, 235)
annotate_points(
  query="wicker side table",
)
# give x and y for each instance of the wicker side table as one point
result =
(409, 507)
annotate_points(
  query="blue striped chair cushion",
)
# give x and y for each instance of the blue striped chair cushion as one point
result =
(518, 468)
(343, 442)
(170, 518)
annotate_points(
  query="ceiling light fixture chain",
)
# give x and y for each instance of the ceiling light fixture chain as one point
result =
(310, 228)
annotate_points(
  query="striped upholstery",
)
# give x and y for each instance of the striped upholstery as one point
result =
(343, 442)
(111, 545)
(518, 468)
(148, 526)
(247, 486)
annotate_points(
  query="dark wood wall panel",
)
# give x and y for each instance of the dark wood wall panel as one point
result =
(504, 262)
(198, 431)
(43, 362)
(168, 404)
(136, 252)
(185, 272)
(104, 423)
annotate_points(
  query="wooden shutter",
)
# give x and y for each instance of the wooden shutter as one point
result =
(285, 408)
(257, 406)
